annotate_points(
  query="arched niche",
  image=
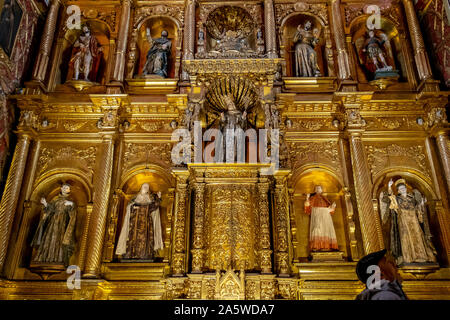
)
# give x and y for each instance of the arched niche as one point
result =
(288, 30)
(102, 33)
(49, 188)
(414, 180)
(395, 47)
(304, 182)
(131, 184)
(139, 45)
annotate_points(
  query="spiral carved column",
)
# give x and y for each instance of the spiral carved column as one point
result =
(281, 221)
(269, 22)
(370, 220)
(11, 193)
(179, 237)
(339, 38)
(100, 208)
(265, 260)
(119, 68)
(444, 154)
(420, 54)
(198, 242)
(43, 57)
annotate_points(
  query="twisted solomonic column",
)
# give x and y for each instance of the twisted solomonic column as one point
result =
(40, 68)
(119, 68)
(11, 193)
(339, 38)
(420, 54)
(97, 225)
(270, 32)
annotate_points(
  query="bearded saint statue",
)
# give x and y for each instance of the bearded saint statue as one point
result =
(54, 239)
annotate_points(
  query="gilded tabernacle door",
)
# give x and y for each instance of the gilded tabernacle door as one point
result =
(232, 227)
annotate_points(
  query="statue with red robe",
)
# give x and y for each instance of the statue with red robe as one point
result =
(86, 57)
(322, 236)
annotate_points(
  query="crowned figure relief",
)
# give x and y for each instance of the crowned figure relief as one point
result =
(54, 240)
(141, 234)
(405, 224)
(322, 236)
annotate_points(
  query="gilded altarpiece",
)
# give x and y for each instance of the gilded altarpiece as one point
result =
(229, 230)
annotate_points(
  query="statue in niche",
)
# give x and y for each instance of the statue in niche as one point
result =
(54, 240)
(141, 234)
(376, 55)
(86, 56)
(405, 225)
(305, 41)
(158, 55)
(322, 236)
(232, 119)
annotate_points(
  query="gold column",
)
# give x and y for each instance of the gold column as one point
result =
(264, 228)
(339, 38)
(281, 221)
(43, 57)
(189, 30)
(99, 212)
(369, 220)
(444, 153)
(179, 234)
(119, 68)
(420, 54)
(269, 23)
(197, 245)
(11, 193)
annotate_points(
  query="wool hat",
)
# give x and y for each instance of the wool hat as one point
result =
(369, 260)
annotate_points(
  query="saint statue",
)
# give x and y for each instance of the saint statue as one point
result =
(54, 239)
(322, 236)
(305, 56)
(373, 48)
(141, 234)
(405, 224)
(158, 55)
(86, 56)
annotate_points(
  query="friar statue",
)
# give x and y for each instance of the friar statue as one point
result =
(305, 57)
(405, 225)
(158, 55)
(141, 234)
(54, 239)
(86, 56)
(322, 236)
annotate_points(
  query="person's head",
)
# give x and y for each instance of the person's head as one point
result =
(145, 188)
(164, 34)
(86, 29)
(318, 189)
(367, 267)
(401, 188)
(308, 25)
(65, 188)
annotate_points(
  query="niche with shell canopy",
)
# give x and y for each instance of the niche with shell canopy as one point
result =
(230, 32)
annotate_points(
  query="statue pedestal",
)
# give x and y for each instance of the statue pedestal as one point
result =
(45, 270)
(332, 256)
